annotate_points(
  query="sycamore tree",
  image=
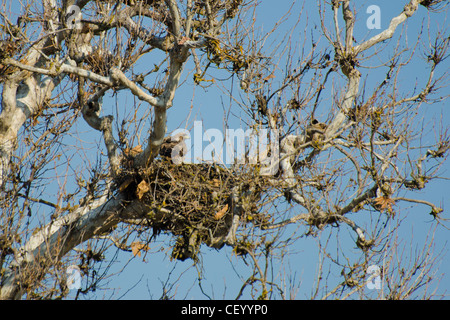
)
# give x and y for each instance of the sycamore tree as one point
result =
(346, 149)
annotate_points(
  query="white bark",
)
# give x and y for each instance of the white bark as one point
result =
(407, 12)
(22, 101)
(339, 120)
(19, 102)
(57, 238)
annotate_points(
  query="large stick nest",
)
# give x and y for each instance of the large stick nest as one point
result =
(196, 202)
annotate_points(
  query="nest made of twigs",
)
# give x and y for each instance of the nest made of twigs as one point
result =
(195, 202)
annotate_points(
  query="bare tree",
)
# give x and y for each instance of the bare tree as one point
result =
(356, 154)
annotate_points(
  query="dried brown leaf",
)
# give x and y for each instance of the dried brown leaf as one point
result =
(141, 189)
(221, 212)
(137, 247)
(270, 76)
(134, 151)
(385, 203)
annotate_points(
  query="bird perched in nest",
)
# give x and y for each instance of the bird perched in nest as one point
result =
(315, 132)
(174, 148)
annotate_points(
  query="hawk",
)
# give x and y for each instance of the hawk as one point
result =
(174, 148)
(315, 132)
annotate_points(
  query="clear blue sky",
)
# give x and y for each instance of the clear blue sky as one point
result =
(222, 273)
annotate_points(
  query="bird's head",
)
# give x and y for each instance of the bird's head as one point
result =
(179, 137)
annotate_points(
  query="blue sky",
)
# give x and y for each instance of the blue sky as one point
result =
(223, 273)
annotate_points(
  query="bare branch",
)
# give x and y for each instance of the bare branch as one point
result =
(407, 12)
